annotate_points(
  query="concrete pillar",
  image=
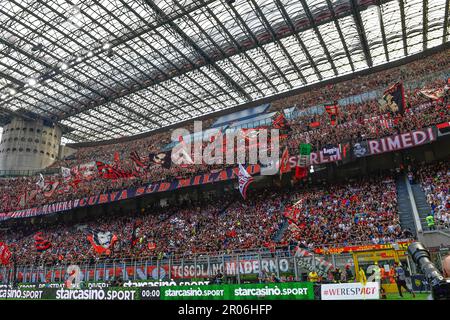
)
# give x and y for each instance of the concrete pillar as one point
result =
(29, 145)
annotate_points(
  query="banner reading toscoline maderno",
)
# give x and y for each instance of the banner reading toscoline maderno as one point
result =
(367, 148)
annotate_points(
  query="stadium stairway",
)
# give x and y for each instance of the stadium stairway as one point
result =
(413, 208)
(431, 238)
(283, 226)
(421, 204)
(404, 206)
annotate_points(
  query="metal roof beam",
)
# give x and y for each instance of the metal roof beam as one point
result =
(383, 32)
(445, 31)
(55, 116)
(11, 79)
(241, 51)
(276, 40)
(217, 46)
(425, 24)
(126, 61)
(100, 71)
(140, 55)
(361, 32)
(239, 19)
(341, 36)
(302, 45)
(176, 67)
(404, 36)
(319, 36)
(151, 27)
(31, 57)
(192, 43)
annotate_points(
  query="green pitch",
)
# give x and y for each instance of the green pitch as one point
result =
(407, 296)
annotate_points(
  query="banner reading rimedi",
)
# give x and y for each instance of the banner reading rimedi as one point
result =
(264, 291)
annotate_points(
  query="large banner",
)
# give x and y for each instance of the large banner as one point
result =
(366, 148)
(394, 143)
(269, 291)
(185, 271)
(350, 291)
(71, 294)
(263, 291)
(402, 245)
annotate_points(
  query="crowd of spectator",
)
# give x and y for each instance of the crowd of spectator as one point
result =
(435, 182)
(329, 215)
(362, 211)
(353, 123)
(361, 84)
(211, 225)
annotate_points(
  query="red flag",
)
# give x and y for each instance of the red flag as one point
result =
(116, 157)
(5, 254)
(284, 163)
(332, 110)
(301, 172)
(40, 243)
(314, 124)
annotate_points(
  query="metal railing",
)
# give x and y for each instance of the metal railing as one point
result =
(238, 266)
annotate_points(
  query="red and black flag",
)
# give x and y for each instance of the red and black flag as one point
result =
(102, 242)
(163, 159)
(280, 122)
(394, 99)
(443, 128)
(116, 157)
(135, 233)
(138, 163)
(332, 110)
(314, 124)
(284, 162)
(41, 243)
(107, 171)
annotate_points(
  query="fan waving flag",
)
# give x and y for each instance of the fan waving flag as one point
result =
(50, 188)
(244, 180)
(280, 122)
(40, 243)
(5, 254)
(107, 171)
(102, 242)
(163, 159)
(41, 181)
(284, 163)
(332, 110)
(66, 174)
(394, 99)
(301, 170)
(138, 163)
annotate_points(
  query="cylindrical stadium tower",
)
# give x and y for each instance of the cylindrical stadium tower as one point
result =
(29, 145)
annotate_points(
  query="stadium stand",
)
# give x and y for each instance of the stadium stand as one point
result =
(99, 98)
(354, 123)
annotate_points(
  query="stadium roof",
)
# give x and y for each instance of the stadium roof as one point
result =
(114, 68)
